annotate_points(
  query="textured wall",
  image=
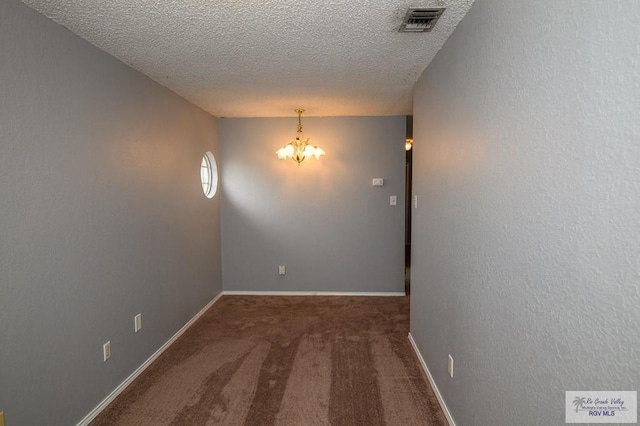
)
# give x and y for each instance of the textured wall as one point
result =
(102, 216)
(322, 219)
(527, 234)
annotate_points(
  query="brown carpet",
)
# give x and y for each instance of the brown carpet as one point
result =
(286, 361)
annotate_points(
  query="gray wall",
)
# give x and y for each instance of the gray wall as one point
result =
(322, 219)
(527, 233)
(102, 216)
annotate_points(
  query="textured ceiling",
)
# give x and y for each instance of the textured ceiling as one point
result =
(260, 58)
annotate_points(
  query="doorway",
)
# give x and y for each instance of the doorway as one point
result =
(407, 207)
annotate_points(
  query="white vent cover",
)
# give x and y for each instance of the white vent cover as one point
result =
(418, 20)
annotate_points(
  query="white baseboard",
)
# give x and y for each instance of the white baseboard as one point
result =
(447, 413)
(105, 402)
(309, 293)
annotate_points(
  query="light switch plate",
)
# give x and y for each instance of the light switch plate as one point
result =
(282, 270)
(393, 200)
(377, 181)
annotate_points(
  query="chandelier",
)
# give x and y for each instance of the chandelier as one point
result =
(298, 149)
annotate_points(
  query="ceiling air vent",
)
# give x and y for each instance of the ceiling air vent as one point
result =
(418, 20)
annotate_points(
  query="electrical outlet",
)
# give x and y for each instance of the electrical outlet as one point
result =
(106, 350)
(281, 270)
(137, 323)
(393, 200)
(415, 201)
(450, 366)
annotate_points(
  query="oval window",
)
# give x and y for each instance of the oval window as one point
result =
(209, 175)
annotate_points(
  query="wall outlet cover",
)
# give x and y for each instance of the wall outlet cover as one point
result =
(137, 323)
(106, 351)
